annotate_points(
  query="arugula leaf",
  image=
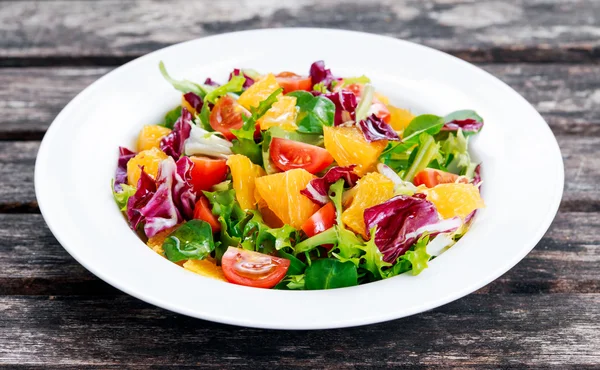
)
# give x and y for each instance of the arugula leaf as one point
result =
(248, 129)
(171, 117)
(330, 274)
(314, 112)
(184, 86)
(428, 150)
(123, 196)
(234, 85)
(192, 240)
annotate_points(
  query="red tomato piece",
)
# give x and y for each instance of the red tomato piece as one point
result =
(203, 211)
(253, 269)
(207, 172)
(431, 177)
(226, 115)
(320, 221)
(292, 82)
(290, 154)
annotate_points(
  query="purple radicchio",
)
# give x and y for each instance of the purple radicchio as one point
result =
(317, 190)
(209, 81)
(401, 221)
(477, 182)
(194, 101)
(466, 120)
(173, 143)
(345, 105)
(319, 74)
(374, 129)
(237, 72)
(121, 174)
(165, 203)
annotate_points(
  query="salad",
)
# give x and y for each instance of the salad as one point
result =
(298, 182)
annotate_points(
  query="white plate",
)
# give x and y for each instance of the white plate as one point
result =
(78, 156)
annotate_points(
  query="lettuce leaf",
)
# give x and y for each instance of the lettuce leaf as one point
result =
(123, 196)
(184, 86)
(202, 142)
(232, 86)
(427, 151)
(237, 72)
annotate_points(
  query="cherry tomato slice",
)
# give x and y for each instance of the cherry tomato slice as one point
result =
(253, 269)
(320, 221)
(207, 172)
(226, 115)
(431, 177)
(203, 211)
(290, 154)
(292, 82)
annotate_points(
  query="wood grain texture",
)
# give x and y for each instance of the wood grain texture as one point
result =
(568, 96)
(491, 330)
(111, 31)
(565, 261)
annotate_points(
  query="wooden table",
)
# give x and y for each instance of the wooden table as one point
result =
(545, 312)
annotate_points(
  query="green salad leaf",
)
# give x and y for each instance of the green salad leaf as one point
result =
(291, 282)
(185, 86)
(297, 267)
(249, 148)
(234, 85)
(418, 256)
(425, 123)
(330, 273)
(314, 112)
(122, 196)
(171, 117)
(230, 216)
(427, 151)
(192, 240)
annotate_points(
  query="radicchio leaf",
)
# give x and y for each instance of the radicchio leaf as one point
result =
(121, 174)
(173, 143)
(166, 202)
(317, 190)
(210, 82)
(401, 221)
(319, 74)
(345, 105)
(466, 120)
(375, 129)
(194, 101)
(146, 187)
(237, 72)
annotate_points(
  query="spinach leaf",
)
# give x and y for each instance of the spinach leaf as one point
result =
(314, 112)
(192, 240)
(249, 148)
(330, 274)
(171, 117)
(425, 123)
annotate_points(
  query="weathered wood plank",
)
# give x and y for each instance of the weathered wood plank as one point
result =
(74, 32)
(582, 174)
(566, 95)
(565, 261)
(492, 330)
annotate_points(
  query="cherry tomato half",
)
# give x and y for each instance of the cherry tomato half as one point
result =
(320, 221)
(207, 172)
(253, 269)
(290, 154)
(203, 211)
(431, 177)
(226, 115)
(292, 82)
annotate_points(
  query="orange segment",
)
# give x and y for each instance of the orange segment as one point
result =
(282, 114)
(149, 159)
(454, 199)
(150, 137)
(206, 267)
(243, 174)
(371, 190)
(259, 91)
(281, 192)
(400, 118)
(269, 217)
(348, 146)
